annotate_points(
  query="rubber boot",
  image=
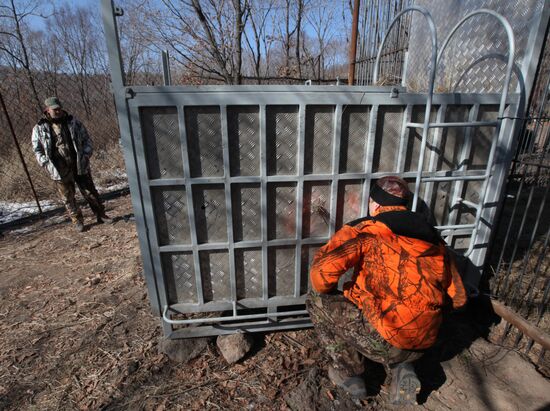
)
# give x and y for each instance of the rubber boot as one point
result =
(405, 385)
(354, 385)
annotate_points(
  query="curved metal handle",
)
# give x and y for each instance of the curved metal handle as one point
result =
(511, 47)
(433, 32)
(509, 67)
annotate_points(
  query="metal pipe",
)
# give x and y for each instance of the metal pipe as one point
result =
(353, 45)
(457, 124)
(521, 324)
(12, 131)
(229, 318)
(167, 76)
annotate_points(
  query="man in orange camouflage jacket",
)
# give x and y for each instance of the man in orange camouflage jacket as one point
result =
(391, 310)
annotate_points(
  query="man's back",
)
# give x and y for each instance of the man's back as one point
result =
(402, 275)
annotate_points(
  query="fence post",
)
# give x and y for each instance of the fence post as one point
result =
(20, 153)
(353, 45)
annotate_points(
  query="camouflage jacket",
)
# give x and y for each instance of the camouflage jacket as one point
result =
(42, 143)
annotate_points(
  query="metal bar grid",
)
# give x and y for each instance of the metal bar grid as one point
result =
(265, 243)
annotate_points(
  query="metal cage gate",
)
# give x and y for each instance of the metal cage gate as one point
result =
(235, 187)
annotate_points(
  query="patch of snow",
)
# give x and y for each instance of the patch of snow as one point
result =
(10, 211)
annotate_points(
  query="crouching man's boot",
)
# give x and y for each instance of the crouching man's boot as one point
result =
(405, 385)
(353, 385)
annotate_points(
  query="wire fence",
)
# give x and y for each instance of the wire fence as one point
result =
(90, 100)
(375, 16)
(520, 259)
(86, 97)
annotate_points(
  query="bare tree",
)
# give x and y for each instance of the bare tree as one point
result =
(74, 34)
(321, 19)
(206, 36)
(12, 39)
(48, 60)
(259, 40)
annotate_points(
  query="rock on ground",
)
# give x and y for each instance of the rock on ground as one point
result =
(234, 347)
(182, 350)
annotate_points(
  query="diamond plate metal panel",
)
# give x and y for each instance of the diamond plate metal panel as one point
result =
(316, 209)
(204, 141)
(482, 138)
(349, 201)
(308, 253)
(415, 139)
(215, 275)
(281, 269)
(319, 134)
(452, 139)
(210, 214)
(160, 132)
(247, 211)
(170, 208)
(388, 135)
(281, 211)
(244, 140)
(478, 37)
(179, 276)
(282, 139)
(248, 272)
(355, 128)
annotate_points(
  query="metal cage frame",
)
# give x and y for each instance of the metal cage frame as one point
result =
(274, 306)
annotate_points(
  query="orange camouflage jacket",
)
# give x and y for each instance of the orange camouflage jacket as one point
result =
(403, 275)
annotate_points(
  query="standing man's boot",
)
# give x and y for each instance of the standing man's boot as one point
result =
(405, 385)
(104, 218)
(79, 226)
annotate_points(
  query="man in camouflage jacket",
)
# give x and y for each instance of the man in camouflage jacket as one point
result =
(62, 146)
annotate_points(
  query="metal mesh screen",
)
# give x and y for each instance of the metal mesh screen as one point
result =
(282, 136)
(244, 144)
(355, 125)
(162, 143)
(204, 141)
(170, 206)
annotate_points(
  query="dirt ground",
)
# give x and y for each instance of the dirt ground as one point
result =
(77, 333)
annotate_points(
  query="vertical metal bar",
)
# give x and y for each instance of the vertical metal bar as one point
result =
(148, 210)
(353, 45)
(167, 76)
(371, 140)
(540, 258)
(300, 199)
(535, 45)
(436, 151)
(228, 203)
(190, 204)
(117, 79)
(533, 233)
(509, 236)
(21, 158)
(463, 166)
(263, 177)
(335, 167)
(404, 139)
